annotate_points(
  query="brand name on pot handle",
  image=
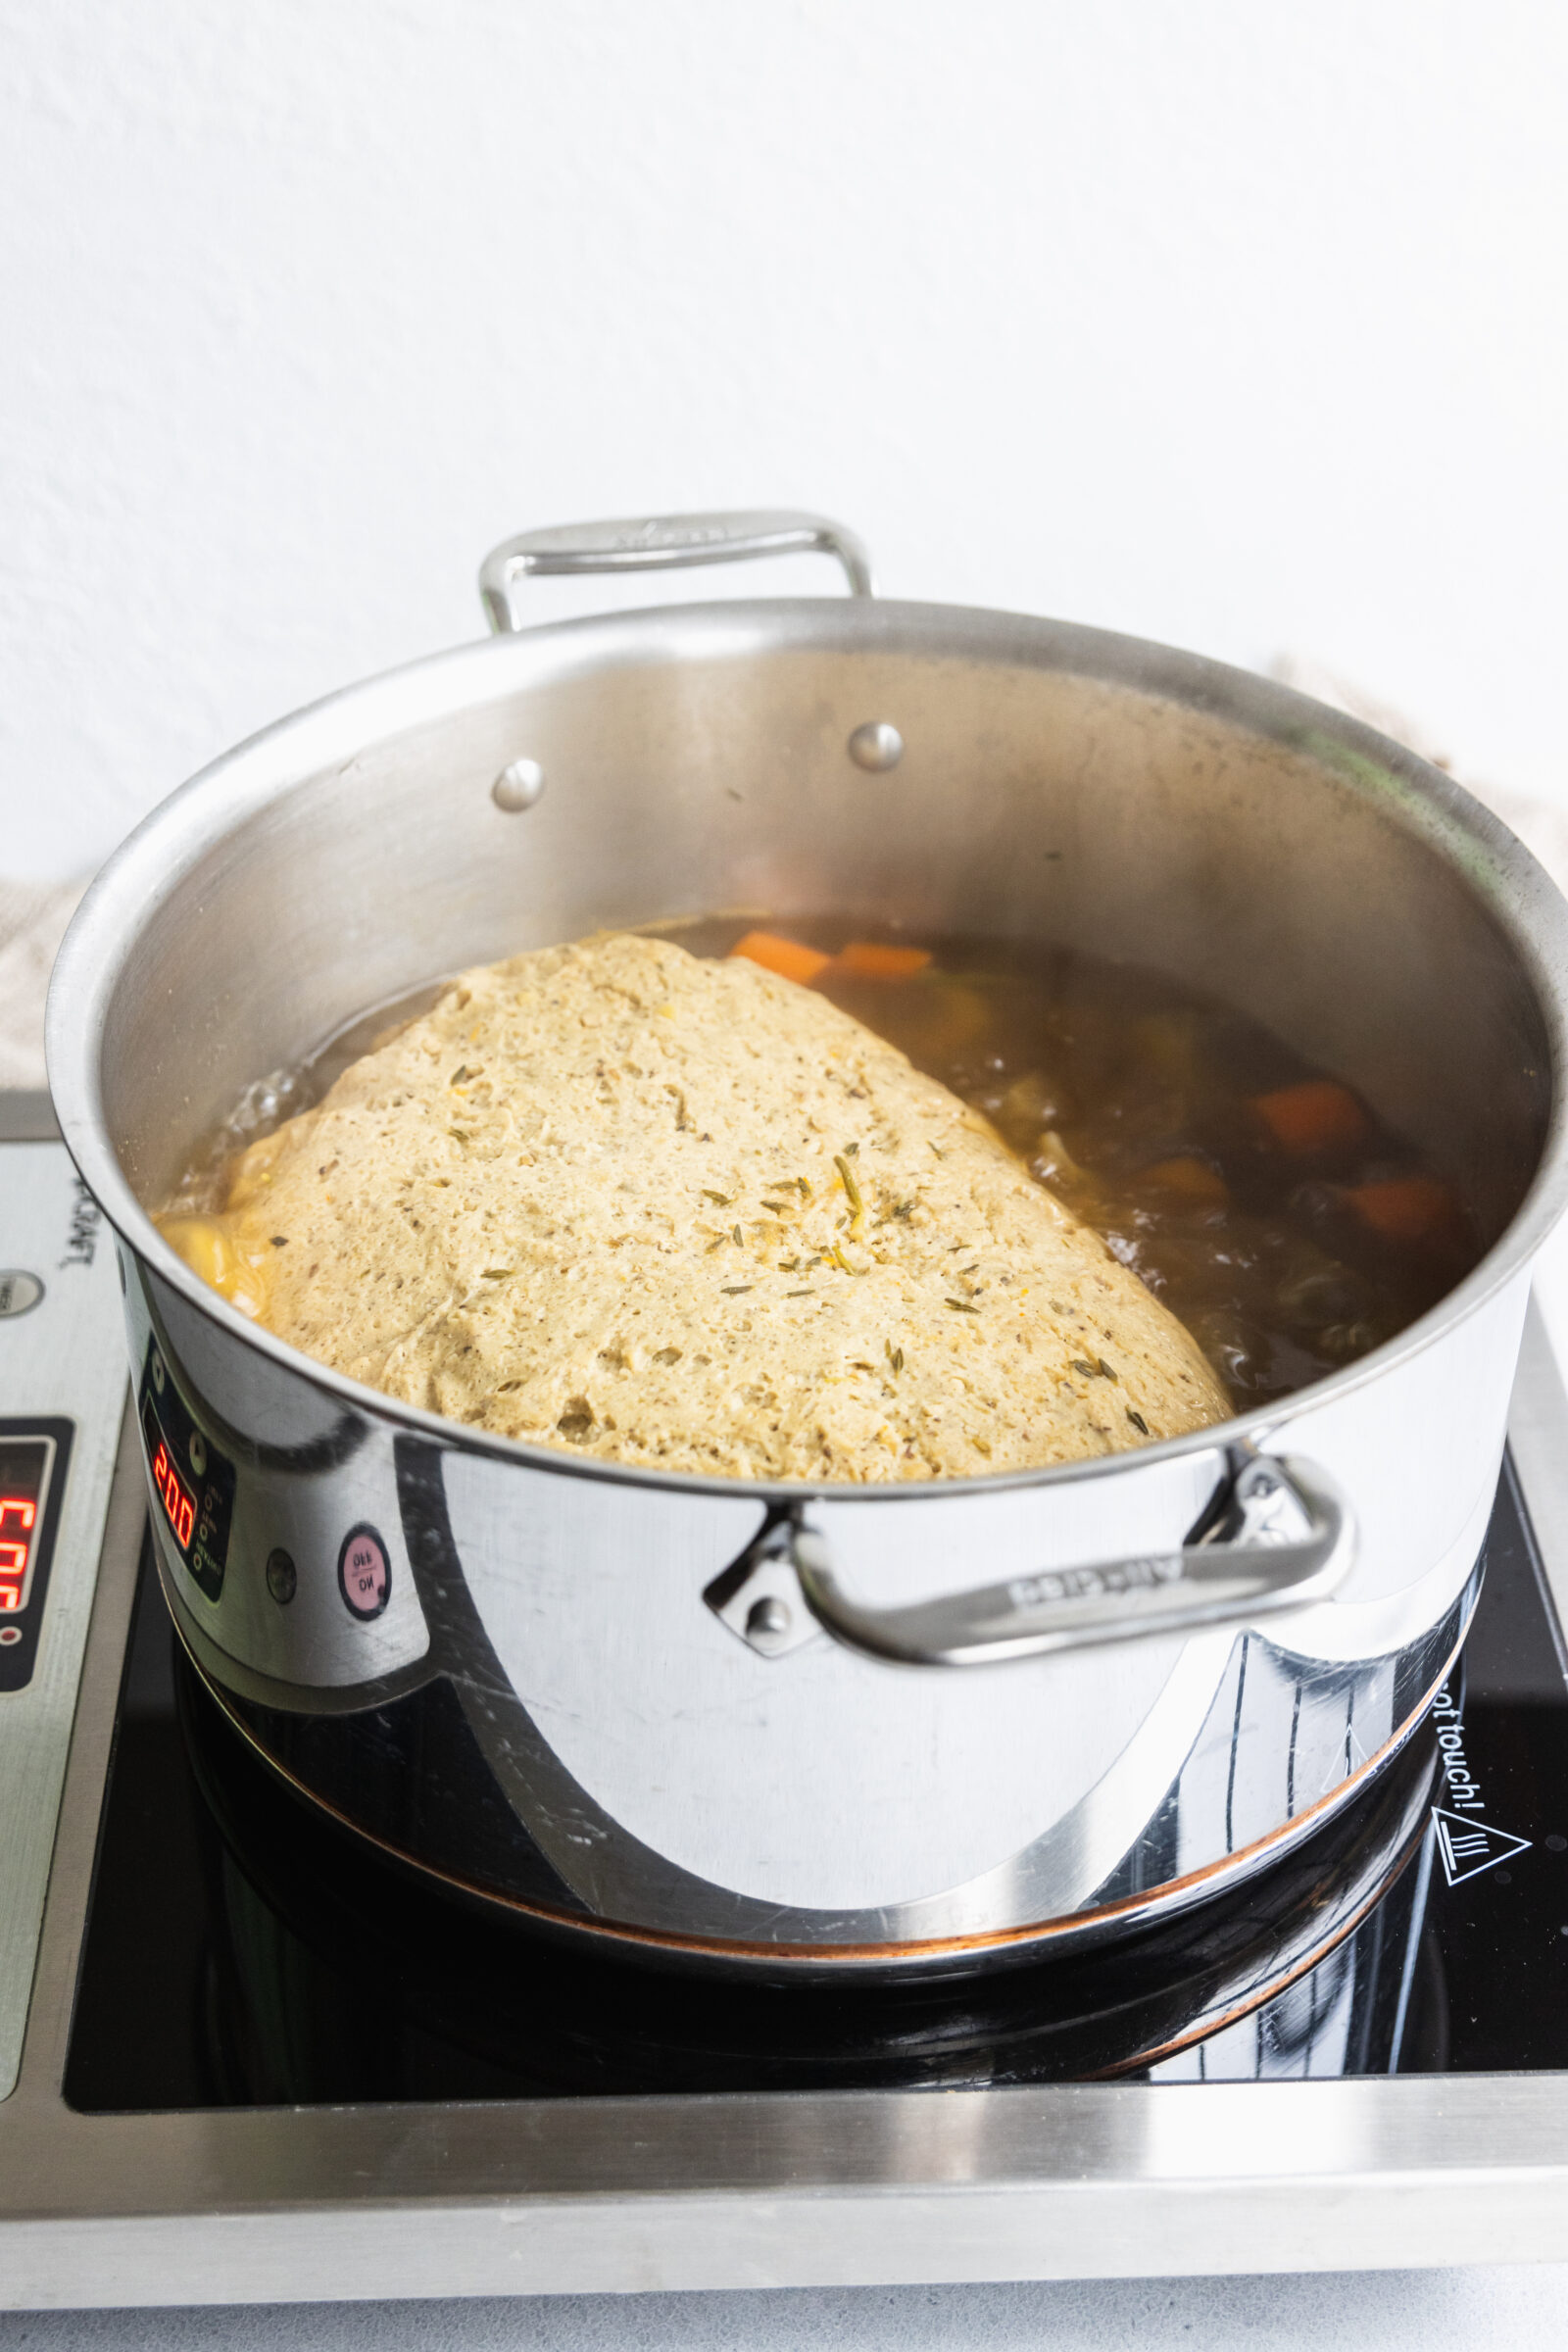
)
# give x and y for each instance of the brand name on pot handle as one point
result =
(1080, 1583)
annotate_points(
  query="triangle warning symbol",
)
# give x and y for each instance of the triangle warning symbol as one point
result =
(1468, 1847)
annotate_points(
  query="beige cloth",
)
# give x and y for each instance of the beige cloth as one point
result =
(1540, 826)
(33, 921)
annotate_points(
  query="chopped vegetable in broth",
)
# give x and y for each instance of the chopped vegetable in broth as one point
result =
(1262, 1199)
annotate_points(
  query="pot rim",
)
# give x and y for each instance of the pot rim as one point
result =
(331, 732)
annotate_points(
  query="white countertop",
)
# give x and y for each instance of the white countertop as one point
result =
(1396, 2311)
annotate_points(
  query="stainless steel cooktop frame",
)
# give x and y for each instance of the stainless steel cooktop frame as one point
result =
(831, 2188)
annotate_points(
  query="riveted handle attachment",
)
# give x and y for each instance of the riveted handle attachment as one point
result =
(1276, 1535)
(661, 543)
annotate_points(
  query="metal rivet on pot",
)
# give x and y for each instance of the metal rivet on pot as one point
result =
(876, 746)
(517, 786)
(768, 1617)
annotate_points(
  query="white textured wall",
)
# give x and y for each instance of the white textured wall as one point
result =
(1238, 322)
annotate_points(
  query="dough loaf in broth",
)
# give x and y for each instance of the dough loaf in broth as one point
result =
(685, 1214)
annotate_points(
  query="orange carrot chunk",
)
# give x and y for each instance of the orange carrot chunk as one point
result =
(1313, 1118)
(863, 959)
(1416, 1210)
(786, 957)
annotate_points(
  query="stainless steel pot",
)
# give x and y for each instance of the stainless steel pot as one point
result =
(918, 1726)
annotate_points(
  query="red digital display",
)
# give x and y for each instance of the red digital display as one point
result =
(19, 1514)
(179, 1503)
(193, 1481)
(24, 1476)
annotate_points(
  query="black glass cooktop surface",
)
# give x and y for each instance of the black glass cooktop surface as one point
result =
(241, 1950)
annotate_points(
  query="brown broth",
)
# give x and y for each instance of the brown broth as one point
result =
(1144, 1106)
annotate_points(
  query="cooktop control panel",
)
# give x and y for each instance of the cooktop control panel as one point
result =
(62, 1390)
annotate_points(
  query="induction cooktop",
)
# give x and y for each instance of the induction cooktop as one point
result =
(243, 1950)
(241, 2058)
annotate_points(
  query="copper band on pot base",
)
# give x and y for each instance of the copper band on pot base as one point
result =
(1014, 1945)
(555, 2015)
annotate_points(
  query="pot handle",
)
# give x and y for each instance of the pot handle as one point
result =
(663, 542)
(1276, 1535)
